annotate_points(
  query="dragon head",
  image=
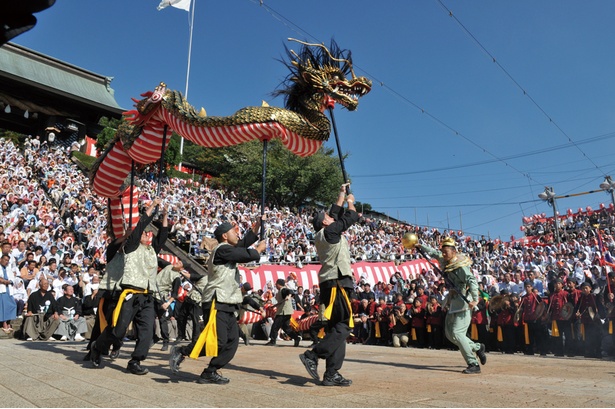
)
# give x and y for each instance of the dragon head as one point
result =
(322, 73)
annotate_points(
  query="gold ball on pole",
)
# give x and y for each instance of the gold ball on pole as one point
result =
(409, 240)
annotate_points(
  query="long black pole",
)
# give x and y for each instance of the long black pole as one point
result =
(263, 183)
(339, 149)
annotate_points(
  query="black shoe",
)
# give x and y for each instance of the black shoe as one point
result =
(94, 355)
(165, 346)
(175, 358)
(336, 380)
(481, 354)
(270, 344)
(114, 354)
(213, 377)
(135, 368)
(310, 361)
(471, 369)
(297, 340)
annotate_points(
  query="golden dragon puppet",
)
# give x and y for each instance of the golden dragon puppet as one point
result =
(319, 77)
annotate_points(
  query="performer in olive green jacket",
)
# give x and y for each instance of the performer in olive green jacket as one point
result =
(138, 285)
(456, 266)
(336, 281)
(221, 299)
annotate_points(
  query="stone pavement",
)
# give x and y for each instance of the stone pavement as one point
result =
(52, 374)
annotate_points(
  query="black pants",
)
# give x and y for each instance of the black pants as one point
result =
(109, 303)
(332, 347)
(164, 318)
(592, 345)
(421, 337)
(228, 340)
(435, 336)
(537, 334)
(315, 329)
(508, 335)
(189, 310)
(564, 344)
(282, 322)
(140, 310)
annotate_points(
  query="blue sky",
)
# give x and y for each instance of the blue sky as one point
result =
(447, 137)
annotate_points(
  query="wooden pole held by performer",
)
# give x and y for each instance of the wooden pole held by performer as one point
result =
(330, 105)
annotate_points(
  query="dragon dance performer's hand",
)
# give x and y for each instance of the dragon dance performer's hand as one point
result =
(261, 246)
(256, 226)
(165, 217)
(153, 206)
(350, 200)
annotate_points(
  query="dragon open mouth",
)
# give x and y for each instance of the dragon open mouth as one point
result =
(348, 94)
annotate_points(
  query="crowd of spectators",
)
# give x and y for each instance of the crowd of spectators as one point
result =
(55, 228)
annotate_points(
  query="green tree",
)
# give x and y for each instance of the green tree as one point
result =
(291, 180)
(16, 137)
(108, 133)
(363, 207)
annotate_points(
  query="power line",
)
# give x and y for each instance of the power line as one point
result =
(296, 28)
(517, 84)
(467, 165)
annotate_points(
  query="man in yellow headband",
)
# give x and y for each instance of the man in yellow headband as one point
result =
(336, 283)
(459, 316)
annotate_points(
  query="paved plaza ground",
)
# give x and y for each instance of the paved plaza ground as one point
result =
(52, 374)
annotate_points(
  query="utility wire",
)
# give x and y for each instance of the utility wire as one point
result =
(505, 71)
(467, 165)
(297, 29)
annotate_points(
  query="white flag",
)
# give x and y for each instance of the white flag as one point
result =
(180, 4)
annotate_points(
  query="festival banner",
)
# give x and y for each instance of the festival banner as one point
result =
(307, 276)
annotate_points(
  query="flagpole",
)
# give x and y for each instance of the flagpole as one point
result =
(181, 141)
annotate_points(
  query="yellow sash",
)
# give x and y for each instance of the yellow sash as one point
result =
(209, 336)
(102, 321)
(118, 307)
(500, 335)
(294, 324)
(378, 334)
(474, 332)
(554, 329)
(611, 327)
(321, 333)
(329, 309)
(413, 334)
(526, 332)
(428, 328)
(583, 331)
